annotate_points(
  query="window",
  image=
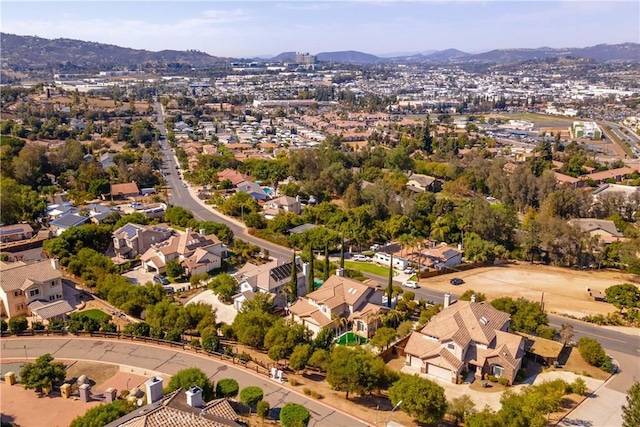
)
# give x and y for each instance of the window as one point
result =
(52, 297)
(17, 293)
(360, 326)
(34, 292)
(497, 370)
(20, 307)
(53, 284)
(451, 346)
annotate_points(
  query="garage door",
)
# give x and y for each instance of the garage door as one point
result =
(439, 372)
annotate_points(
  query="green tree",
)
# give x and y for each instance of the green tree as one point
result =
(593, 353)
(277, 352)
(251, 395)
(292, 287)
(188, 377)
(102, 415)
(579, 386)
(227, 387)
(311, 276)
(225, 286)
(326, 261)
(423, 399)
(294, 415)
(356, 371)
(252, 326)
(631, 411)
(461, 407)
(383, 338)
(320, 359)
(623, 296)
(18, 324)
(466, 296)
(300, 357)
(43, 373)
(174, 268)
(526, 316)
(262, 409)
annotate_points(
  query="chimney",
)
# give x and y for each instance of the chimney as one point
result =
(473, 298)
(154, 389)
(447, 300)
(340, 272)
(305, 269)
(194, 396)
(55, 263)
(188, 231)
(202, 232)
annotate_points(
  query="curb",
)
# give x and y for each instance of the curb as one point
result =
(283, 385)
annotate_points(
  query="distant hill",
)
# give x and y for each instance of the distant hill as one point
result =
(348, 57)
(600, 53)
(284, 57)
(448, 55)
(67, 55)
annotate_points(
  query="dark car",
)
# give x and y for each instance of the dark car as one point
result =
(456, 281)
(161, 280)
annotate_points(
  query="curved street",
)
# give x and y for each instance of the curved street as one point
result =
(169, 361)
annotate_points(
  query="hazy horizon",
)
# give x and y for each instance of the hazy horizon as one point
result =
(378, 27)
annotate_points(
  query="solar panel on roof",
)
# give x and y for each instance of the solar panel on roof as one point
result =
(11, 231)
(130, 230)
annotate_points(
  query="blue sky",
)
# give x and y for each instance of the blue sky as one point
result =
(252, 28)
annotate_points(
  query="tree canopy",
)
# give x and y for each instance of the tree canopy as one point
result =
(188, 377)
(43, 373)
(423, 399)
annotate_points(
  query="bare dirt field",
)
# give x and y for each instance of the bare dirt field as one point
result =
(565, 290)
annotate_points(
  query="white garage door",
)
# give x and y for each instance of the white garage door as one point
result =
(439, 372)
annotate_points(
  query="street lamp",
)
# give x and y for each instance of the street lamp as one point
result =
(386, 420)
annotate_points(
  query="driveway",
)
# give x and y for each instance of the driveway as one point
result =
(224, 313)
(138, 276)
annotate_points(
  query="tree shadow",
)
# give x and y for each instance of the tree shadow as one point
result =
(312, 376)
(579, 423)
(373, 401)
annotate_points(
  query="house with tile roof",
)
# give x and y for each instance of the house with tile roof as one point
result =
(127, 189)
(360, 304)
(442, 256)
(131, 239)
(282, 204)
(180, 408)
(271, 278)
(466, 336)
(197, 253)
(604, 229)
(32, 289)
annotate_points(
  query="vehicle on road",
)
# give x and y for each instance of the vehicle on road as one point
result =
(410, 284)
(161, 280)
(362, 258)
(409, 270)
(456, 281)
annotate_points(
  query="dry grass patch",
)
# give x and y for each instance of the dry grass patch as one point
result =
(573, 362)
(96, 372)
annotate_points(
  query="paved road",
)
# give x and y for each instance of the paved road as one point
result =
(180, 195)
(168, 361)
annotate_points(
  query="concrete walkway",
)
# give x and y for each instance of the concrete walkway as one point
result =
(224, 313)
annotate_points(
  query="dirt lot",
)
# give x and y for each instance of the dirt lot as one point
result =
(564, 289)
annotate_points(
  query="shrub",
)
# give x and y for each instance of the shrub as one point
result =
(306, 391)
(37, 326)
(244, 357)
(294, 382)
(173, 335)
(55, 325)
(316, 395)
(210, 342)
(493, 378)
(579, 386)
(195, 343)
(294, 415)
(18, 324)
(188, 377)
(503, 381)
(262, 409)
(593, 353)
(250, 396)
(227, 387)
(3, 325)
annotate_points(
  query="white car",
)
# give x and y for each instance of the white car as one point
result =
(363, 258)
(409, 270)
(410, 284)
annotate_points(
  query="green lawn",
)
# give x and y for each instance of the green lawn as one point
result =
(367, 267)
(534, 117)
(96, 314)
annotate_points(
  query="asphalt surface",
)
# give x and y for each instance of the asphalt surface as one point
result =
(169, 361)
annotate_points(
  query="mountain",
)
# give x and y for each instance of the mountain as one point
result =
(348, 57)
(448, 55)
(284, 57)
(600, 53)
(37, 53)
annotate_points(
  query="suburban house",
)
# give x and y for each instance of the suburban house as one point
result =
(441, 256)
(466, 336)
(270, 278)
(233, 176)
(57, 210)
(420, 183)
(131, 240)
(180, 407)
(358, 304)
(606, 230)
(122, 191)
(32, 289)
(98, 212)
(624, 191)
(282, 204)
(196, 252)
(65, 222)
(252, 189)
(15, 233)
(616, 175)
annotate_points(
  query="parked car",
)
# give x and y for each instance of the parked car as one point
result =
(456, 281)
(374, 247)
(409, 270)
(363, 258)
(410, 284)
(161, 280)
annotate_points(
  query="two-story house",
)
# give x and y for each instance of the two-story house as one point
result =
(131, 239)
(442, 256)
(282, 204)
(341, 302)
(32, 289)
(466, 336)
(197, 253)
(270, 278)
